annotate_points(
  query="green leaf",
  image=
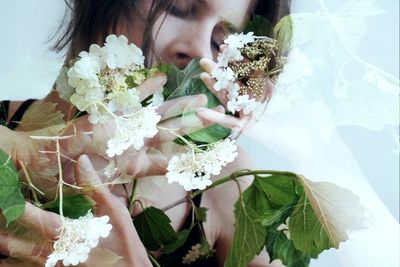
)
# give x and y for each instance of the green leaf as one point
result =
(154, 228)
(201, 213)
(283, 33)
(271, 217)
(255, 197)
(248, 238)
(187, 82)
(280, 247)
(306, 231)
(260, 25)
(179, 81)
(279, 189)
(210, 134)
(181, 239)
(205, 248)
(74, 206)
(323, 215)
(12, 202)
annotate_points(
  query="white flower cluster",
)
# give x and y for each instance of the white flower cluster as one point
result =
(193, 169)
(225, 76)
(193, 254)
(132, 129)
(77, 238)
(100, 87)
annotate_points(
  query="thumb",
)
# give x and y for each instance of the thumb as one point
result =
(93, 187)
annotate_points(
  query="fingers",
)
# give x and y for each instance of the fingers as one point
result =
(208, 64)
(106, 202)
(151, 85)
(222, 95)
(47, 224)
(221, 118)
(186, 124)
(176, 107)
(93, 187)
(16, 246)
(143, 163)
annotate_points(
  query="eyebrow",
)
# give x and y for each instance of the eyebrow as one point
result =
(202, 5)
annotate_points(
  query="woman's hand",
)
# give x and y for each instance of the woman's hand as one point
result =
(237, 122)
(178, 118)
(123, 239)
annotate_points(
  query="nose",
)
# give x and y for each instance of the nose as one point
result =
(192, 43)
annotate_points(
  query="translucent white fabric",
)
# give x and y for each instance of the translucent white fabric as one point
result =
(335, 116)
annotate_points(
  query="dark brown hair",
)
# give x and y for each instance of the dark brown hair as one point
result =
(90, 21)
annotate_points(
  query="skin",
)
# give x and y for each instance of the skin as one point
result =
(201, 31)
(208, 25)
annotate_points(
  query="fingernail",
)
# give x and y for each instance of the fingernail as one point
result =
(205, 61)
(85, 164)
(162, 78)
(219, 108)
(204, 75)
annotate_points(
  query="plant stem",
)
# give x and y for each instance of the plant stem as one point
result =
(176, 203)
(132, 196)
(275, 71)
(60, 179)
(235, 175)
(225, 179)
(32, 187)
(153, 260)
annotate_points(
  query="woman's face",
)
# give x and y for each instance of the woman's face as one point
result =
(195, 29)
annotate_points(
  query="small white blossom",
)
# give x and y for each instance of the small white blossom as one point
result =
(126, 101)
(193, 169)
(99, 54)
(233, 91)
(86, 68)
(236, 41)
(77, 238)
(227, 55)
(120, 54)
(111, 169)
(117, 146)
(242, 102)
(224, 78)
